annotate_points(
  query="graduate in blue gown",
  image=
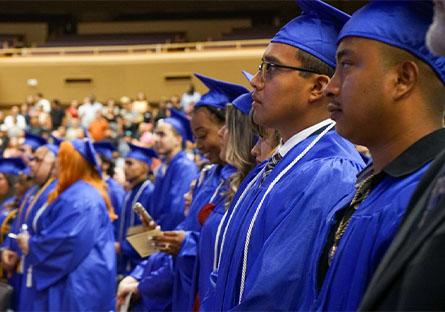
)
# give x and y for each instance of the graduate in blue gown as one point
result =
(71, 252)
(236, 150)
(11, 197)
(207, 119)
(271, 228)
(11, 253)
(30, 144)
(40, 173)
(182, 243)
(137, 168)
(383, 36)
(116, 191)
(177, 171)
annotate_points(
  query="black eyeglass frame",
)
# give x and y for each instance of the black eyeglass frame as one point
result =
(270, 64)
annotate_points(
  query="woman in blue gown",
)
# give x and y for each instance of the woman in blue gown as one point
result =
(71, 250)
(237, 139)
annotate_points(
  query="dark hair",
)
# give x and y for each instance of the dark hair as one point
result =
(429, 83)
(111, 165)
(11, 179)
(218, 114)
(309, 61)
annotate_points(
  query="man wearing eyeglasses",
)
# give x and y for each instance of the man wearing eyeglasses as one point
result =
(270, 230)
(42, 165)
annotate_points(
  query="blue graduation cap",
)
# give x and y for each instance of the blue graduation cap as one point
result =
(402, 24)
(34, 141)
(181, 123)
(315, 31)
(141, 153)
(13, 165)
(248, 75)
(220, 92)
(105, 149)
(244, 103)
(86, 149)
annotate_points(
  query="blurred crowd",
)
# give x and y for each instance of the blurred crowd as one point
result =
(119, 121)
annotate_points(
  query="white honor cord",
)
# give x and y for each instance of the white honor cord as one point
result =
(271, 186)
(135, 200)
(218, 233)
(38, 214)
(216, 191)
(211, 201)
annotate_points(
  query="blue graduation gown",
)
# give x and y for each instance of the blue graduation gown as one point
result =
(284, 234)
(175, 274)
(185, 260)
(71, 253)
(365, 241)
(205, 264)
(167, 203)
(11, 244)
(26, 216)
(4, 213)
(155, 276)
(117, 196)
(129, 258)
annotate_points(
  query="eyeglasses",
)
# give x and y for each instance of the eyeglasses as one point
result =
(266, 69)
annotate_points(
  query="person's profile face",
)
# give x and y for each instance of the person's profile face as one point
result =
(358, 90)
(279, 93)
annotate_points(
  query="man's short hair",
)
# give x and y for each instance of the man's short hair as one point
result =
(309, 61)
(429, 82)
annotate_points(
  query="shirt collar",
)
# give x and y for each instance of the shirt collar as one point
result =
(283, 149)
(413, 158)
(417, 155)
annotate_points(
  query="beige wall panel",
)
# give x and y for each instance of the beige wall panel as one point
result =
(34, 32)
(115, 76)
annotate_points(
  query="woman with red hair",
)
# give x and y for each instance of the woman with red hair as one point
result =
(70, 246)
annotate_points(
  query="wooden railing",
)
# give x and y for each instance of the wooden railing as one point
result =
(132, 49)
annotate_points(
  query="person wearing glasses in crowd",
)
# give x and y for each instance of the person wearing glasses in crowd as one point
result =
(70, 244)
(42, 172)
(270, 229)
(388, 95)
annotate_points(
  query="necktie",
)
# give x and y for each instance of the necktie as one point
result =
(270, 165)
(363, 190)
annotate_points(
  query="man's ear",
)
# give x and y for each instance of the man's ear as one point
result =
(407, 75)
(318, 87)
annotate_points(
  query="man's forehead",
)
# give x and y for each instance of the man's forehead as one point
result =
(356, 45)
(279, 52)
